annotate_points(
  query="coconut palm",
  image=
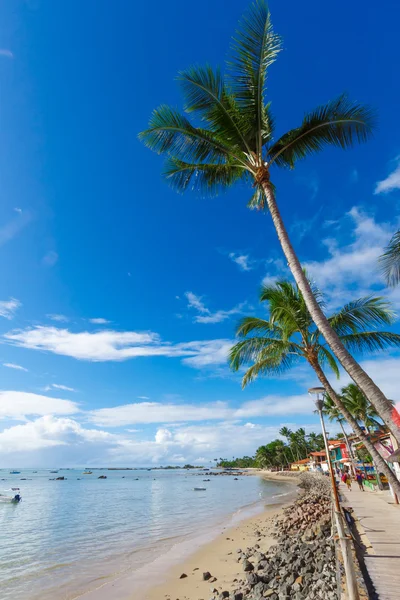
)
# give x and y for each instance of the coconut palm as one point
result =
(390, 261)
(360, 408)
(235, 142)
(275, 345)
(286, 433)
(333, 413)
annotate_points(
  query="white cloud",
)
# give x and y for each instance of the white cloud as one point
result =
(14, 366)
(57, 386)
(9, 307)
(48, 432)
(163, 435)
(243, 261)
(205, 315)
(116, 346)
(392, 181)
(6, 53)
(19, 405)
(352, 270)
(50, 259)
(58, 318)
(143, 398)
(99, 321)
(155, 412)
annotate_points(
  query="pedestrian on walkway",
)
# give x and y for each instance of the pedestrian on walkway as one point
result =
(347, 480)
(360, 481)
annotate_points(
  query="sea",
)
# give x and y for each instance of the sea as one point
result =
(68, 538)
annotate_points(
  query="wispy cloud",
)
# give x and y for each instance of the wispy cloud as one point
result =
(392, 181)
(19, 405)
(57, 386)
(143, 398)
(58, 318)
(9, 307)
(205, 315)
(14, 226)
(99, 321)
(6, 53)
(50, 259)
(14, 366)
(243, 261)
(112, 345)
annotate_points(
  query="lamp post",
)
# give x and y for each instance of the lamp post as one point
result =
(345, 542)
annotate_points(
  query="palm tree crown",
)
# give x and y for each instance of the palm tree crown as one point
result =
(289, 335)
(358, 405)
(390, 261)
(232, 136)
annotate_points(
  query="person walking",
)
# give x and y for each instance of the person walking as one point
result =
(360, 481)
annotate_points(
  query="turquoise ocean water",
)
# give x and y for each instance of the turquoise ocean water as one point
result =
(68, 537)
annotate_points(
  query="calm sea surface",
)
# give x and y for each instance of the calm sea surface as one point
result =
(67, 537)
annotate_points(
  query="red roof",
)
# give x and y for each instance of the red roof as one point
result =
(322, 453)
(301, 462)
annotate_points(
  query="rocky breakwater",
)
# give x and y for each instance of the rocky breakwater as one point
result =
(302, 564)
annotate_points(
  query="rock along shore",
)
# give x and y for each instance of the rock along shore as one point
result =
(302, 564)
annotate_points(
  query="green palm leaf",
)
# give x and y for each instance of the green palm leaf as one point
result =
(260, 326)
(370, 341)
(206, 94)
(338, 123)
(205, 178)
(390, 261)
(326, 357)
(255, 48)
(370, 311)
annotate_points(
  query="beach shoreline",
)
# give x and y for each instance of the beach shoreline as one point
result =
(213, 550)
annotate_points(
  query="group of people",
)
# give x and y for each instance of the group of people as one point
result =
(347, 479)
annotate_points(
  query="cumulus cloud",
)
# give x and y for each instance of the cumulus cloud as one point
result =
(112, 345)
(9, 307)
(352, 269)
(14, 366)
(205, 315)
(19, 405)
(392, 181)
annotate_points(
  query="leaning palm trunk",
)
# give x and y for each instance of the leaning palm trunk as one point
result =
(359, 376)
(377, 458)
(378, 478)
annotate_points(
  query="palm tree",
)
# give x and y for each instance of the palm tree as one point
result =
(390, 261)
(236, 142)
(358, 405)
(272, 346)
(286, 433)
(360, 408)
(333, 413)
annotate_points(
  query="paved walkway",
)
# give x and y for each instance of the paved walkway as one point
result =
(381, 522)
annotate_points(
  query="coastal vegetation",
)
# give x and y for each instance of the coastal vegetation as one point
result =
(274, 345)
(235, 141)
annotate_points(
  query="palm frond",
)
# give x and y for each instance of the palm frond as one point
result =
(326, 357)
(370, 311)
(370, 341)
(338, 123)
(173, 134)
(206, 178)
(390, 261)
(206, 94)
(258, 200)
(279, 354)
(255, 48)
(269, 366)
(249, 325)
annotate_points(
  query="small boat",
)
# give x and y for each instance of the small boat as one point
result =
(87, 473)
(102, 477)
(197, 489)
(53, 471)
(15, 472)
(11, 499)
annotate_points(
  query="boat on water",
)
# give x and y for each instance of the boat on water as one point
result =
(87, 473)
(15, 472)
(53, 471)
(13, 499)
(197, 489)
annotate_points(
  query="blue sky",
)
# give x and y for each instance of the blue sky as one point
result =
(89, 231)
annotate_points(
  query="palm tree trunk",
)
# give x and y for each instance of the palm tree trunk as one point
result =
(350, 451)
(381, 464)
(378, 479)
(388, 414)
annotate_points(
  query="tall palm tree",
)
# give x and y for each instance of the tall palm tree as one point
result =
(360, 408)
(235, 142)
(390, 261)
(286, 433)
(272, 346)
(333, 413)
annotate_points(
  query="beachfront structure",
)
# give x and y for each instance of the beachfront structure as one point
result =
(301, 465)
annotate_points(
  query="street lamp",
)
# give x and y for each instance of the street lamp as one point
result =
(352, 588)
